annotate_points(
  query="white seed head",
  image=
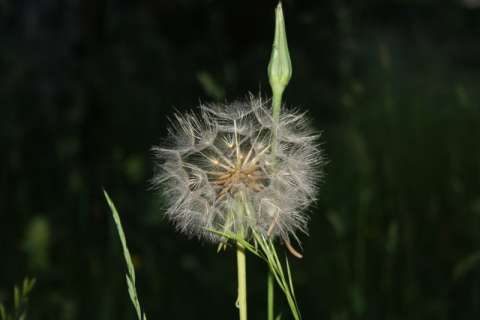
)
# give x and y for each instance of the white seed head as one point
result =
(217, 171)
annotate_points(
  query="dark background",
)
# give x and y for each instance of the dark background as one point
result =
(85, 89)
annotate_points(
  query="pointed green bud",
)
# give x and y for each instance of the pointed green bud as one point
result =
(280, 66)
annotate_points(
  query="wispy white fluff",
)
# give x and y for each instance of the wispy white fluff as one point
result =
(217, 171)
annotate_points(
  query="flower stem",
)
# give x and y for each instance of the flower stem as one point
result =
(276, 104)
(242, 281)
(270, 295)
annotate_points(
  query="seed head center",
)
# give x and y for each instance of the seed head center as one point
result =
(243, 172)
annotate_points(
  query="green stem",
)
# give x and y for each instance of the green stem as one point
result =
(270, 295)
(242, 281)
(276, 106)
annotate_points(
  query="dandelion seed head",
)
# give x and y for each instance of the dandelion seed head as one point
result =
(218, 170)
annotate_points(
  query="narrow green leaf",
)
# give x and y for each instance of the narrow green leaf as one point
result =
(28, 285)
(121, 234)
(133, 296)
(130, 276)
(290, 281)
(16, 297)
(277, 260)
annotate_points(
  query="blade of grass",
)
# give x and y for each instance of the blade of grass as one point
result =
(290, 281)
(289, 274)
(130, 276)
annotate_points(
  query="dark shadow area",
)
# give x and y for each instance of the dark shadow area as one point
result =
(86, 87)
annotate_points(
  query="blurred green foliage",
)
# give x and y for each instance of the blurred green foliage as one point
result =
(36, 243)
(86, 88)
(20, 301)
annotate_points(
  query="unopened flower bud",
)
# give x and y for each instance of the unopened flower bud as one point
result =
(280, 66)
